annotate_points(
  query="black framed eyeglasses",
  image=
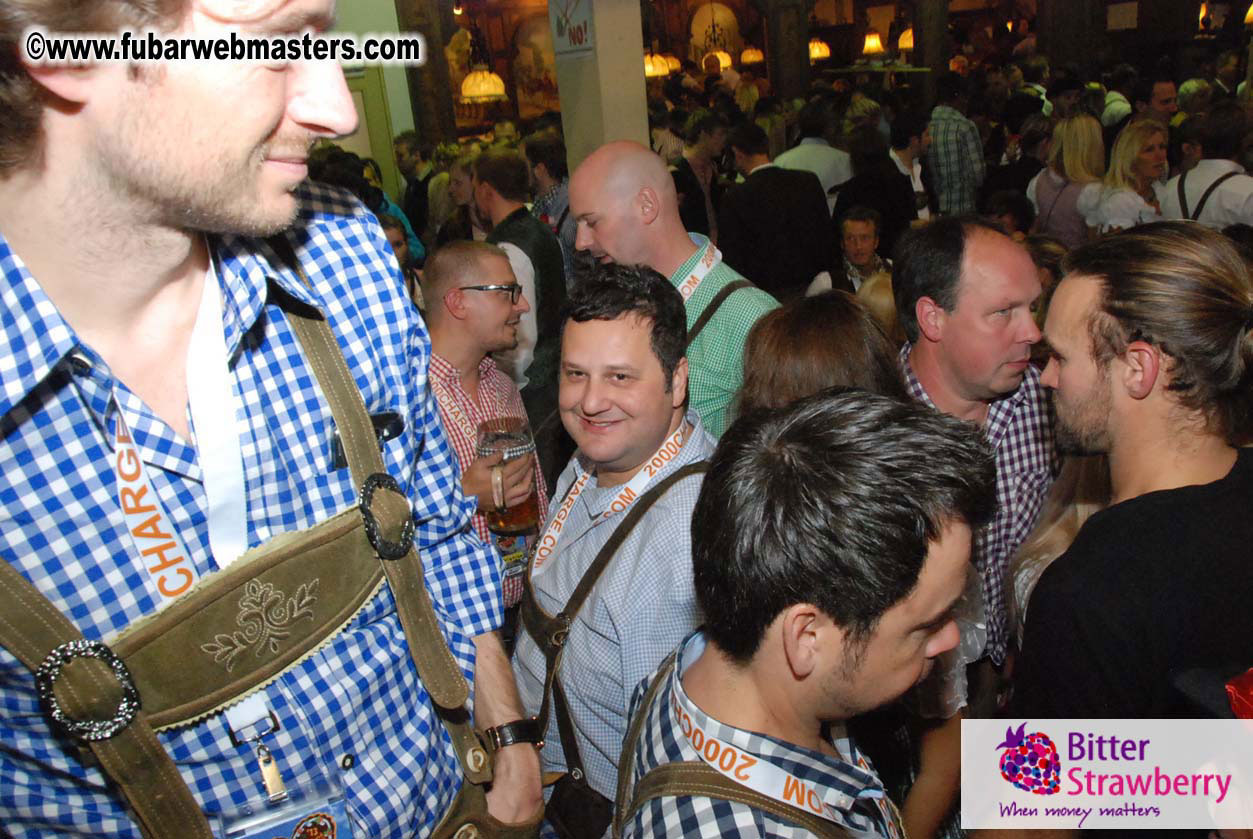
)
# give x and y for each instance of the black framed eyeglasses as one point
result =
(514, 289)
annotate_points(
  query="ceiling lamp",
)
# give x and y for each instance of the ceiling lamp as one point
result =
(907, 40)
(457, 8)
(752, 55)
(818, 50)
(482, 85)
(873, 45)
(724, 58)
(655, 66)
(673, 63)
(1248, 16)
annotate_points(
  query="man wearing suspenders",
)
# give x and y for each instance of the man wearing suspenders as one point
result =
(609, 587)
(830, 544)
(623, 198)
(236, 562)
(1217, 192)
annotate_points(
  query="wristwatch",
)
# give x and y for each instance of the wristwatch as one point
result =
(511, 733)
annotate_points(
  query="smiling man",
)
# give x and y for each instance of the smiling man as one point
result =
(622, 398)
(197, 344)
(831, 542)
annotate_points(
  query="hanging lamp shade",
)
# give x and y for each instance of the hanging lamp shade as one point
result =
(673, 63)
(873, 45)
(1248, 16)
(655, 66)
(907, 40)
(482, 85)
(724, 58)
(818, 49)
(752, 55)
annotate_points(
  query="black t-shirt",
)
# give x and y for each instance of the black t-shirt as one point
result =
(1153, 586)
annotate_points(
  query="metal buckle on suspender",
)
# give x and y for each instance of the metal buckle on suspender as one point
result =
(90, 730)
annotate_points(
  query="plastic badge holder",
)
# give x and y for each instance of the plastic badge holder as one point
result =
(318, 812)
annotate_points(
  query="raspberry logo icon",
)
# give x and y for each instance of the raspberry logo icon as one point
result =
(1030, 762)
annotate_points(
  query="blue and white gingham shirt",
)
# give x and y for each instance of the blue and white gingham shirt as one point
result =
(62, 527)
(850, 784)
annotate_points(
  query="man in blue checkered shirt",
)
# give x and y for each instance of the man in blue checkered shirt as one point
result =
(830, 544)
(956, 153)
(132, 201)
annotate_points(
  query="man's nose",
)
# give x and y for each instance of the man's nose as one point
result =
(318, 98)
(582, 236)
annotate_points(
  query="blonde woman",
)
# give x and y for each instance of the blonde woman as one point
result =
(1081, 489)
(1128, 194)
(1075, 165)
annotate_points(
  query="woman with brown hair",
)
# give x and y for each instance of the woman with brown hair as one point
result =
(814, 343)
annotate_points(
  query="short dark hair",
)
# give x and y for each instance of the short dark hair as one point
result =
(834, 501)
(702, 122)
(1123, 77)
(949, 86)
(1011, 202)
(749, 138)
(928, 263)
(506, 172)
(409, 139)
(907, 126)
(1223, 131)
(609, 291)
(548, 148)
(1034, 69)
(815, 119)
(861, 213)
(1143, 90)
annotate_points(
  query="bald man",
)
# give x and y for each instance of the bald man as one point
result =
(623, 199)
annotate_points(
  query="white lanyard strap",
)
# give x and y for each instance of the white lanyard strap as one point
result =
(752, 772)
(546, 547)
(711, 257)
(160, 548)
(213, 403)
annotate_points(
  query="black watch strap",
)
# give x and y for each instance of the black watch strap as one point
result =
(511, 733)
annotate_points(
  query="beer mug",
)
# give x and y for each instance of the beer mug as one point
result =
(511, 435)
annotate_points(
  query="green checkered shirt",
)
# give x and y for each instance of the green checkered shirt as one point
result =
(716, 358)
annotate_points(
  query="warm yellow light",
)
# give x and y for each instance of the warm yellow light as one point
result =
(482, 85)
(457, 8)
(655, 66)
(873, 45)
(673, 63)
(1200, 19)
(724, 59)
(818, 49)
(907, 40)
(752, 55)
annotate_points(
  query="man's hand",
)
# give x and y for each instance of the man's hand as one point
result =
(516, 794)
(518, 475)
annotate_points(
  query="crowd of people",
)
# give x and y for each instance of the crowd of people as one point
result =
(849, 422)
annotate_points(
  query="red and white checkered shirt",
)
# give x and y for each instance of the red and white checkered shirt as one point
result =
(498, 397)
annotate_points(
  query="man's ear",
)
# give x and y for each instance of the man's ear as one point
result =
(648, 204)
(455, 303)
(931, 318)
(799, 626)
(678, 384)
(1142, 365)
(70, 86)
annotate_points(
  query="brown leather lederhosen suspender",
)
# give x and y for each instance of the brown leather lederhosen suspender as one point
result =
(186, 662)
(692, 778)
(1200, 205)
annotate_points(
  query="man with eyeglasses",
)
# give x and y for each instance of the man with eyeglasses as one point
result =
(502, 183)
(473, 307)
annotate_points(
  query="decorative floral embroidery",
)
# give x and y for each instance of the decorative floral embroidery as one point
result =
(265, 617)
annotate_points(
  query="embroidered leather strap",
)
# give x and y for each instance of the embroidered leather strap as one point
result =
(550, 632)
(712, 308)
(693, 778)
(191, 660)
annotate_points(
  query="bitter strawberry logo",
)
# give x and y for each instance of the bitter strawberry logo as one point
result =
(1030, 762)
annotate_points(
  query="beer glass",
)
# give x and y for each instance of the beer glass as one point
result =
(511, 435)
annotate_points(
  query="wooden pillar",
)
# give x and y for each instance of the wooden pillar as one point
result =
(430, 88)
(931, 48)
(787, 45)
(1070, 33)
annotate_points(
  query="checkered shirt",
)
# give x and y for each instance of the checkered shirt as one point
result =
(852, 786)
(498, 397)
(62, 527)
(1020, 431)
(716, 357)
(956, 160)
(639, 609)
